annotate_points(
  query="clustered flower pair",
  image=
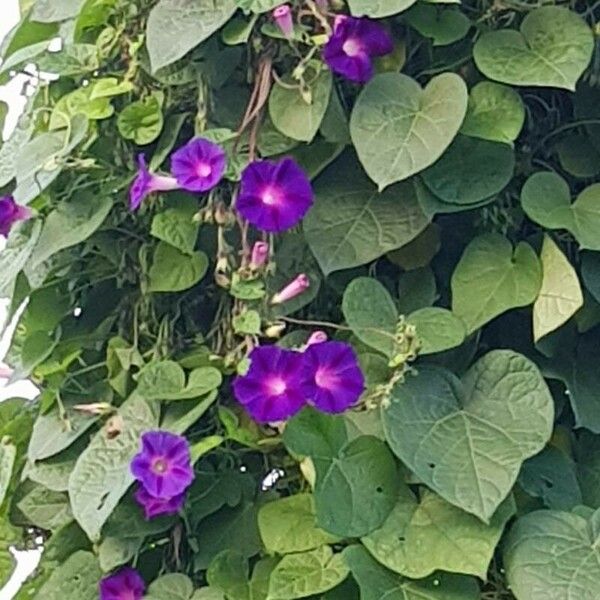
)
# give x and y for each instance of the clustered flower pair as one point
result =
(274, 195)
(280, 382)
(11, 213)
(164, 471)
(352, 46)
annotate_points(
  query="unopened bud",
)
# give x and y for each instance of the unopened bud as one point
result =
(260, 254)
(317, 337)
(282, 16)
(274, 330)
(293, 289)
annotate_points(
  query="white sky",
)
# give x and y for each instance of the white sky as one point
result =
(10, 94)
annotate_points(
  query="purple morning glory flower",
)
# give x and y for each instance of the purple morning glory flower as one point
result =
(274, 195)
(10, 213)
(163, 466)
(145, 183)
(333, 378)
(199, 165)
(126, 584)
(352, 46)
(271, 389)
(154, 507)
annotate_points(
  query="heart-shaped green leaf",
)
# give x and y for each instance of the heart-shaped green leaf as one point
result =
(419, 538)
(352, 224)
(467, 440)
(377, 583)
(560, 295)
(553, 48)
(495, 112)
(546, 199)
(492, 278)
(399, 129)
(443, 25)
(437, 329)
(553, 554)
(470, 171)
(378, 8)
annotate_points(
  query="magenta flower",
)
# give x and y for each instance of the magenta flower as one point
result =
(282, 15)
(163, 466)
(126, 584)
(271, 389)
(154, 507)
(353, 45)
(260, 254)
(199, 165)
(146, 183)
(333, 380)
(11, 213)
(274, 195)
(291, 290)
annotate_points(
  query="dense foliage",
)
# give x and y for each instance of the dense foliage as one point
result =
(399, 207)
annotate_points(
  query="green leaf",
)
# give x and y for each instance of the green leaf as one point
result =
(578, 156)
(307, 573)
(590, 272)
(49, 11)
(247, 323)
(8, 454)
(175, 225)
(257, 6)
(51, 433)
(288, 525)
(315, 434)
(75, 579)
(356, 490)
(177, 26)
(371, 314)
(419, 538)
(352, 224)
(553, 49)
(416, 290)
(470, 171)
(141, 121)
(467, 442)
(399, 129)
(495, 112)
(437, 329)
(172, 586)
(16, 253)
(531, 552)
(560, 296)
(165, 380)
(443, 25)
(229, 574)
(54, 472)
(378, 8)
(101, 475)
(45, 508)
(298, 113)
(492, 278)
(377, 583)
(550, 475)
(69, 224)
(546, 199)
(173, 271)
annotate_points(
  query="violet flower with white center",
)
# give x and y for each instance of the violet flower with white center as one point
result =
(299, 285)
(274, 195)
(353, 45)
(199, 165)
(146, 183)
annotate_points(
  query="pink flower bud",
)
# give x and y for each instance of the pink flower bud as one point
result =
(317, 337)
(293, 289)
(283, 17)
(260, 254)
(5, 371)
